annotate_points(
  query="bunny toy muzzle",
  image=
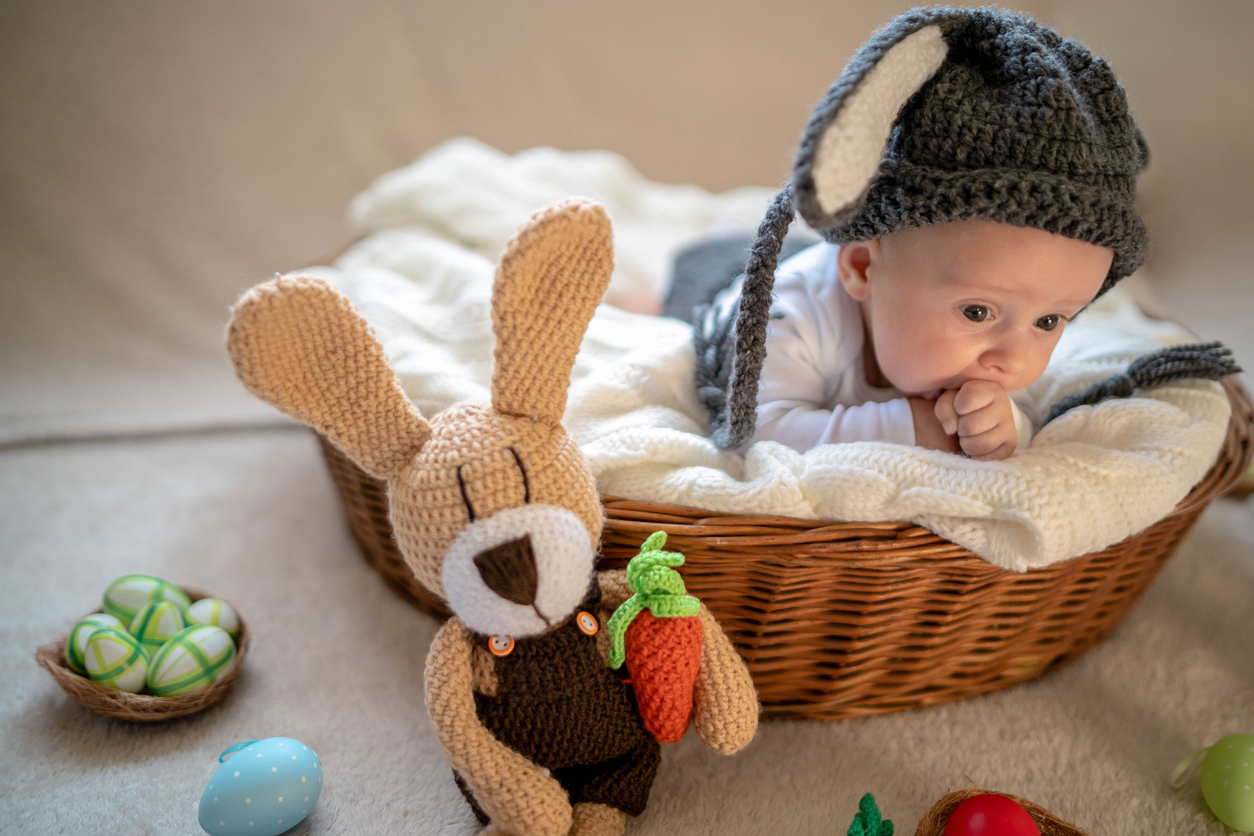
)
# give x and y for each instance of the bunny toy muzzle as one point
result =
(496, 510)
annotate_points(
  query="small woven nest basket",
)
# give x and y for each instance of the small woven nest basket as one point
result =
(141, 708)
(838, 620)
(933, 823)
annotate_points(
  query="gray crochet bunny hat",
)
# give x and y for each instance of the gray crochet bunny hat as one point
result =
(957, 114)
(945, 114)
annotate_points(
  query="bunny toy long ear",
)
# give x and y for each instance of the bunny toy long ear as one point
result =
(551, 278)
(842, 145)
(300, 345)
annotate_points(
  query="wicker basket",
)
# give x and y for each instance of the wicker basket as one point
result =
(840, 620)
(933, 823)
(142, 708)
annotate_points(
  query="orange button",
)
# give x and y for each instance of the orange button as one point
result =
(501, 645)
(588, 623)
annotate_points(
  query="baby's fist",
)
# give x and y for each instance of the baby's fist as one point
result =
(979, 412)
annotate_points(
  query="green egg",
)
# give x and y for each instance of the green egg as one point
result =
(116, 659)
(129, 594)
(156, 624)
(76, 644)
(1228, 781)
(195, 658)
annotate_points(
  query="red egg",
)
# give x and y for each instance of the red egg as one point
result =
(991, 815)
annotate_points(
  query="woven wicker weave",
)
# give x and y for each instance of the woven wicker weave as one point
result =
(933, 823)
(839, 620)
(142, 708)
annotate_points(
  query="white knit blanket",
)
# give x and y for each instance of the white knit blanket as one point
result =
(423, 278)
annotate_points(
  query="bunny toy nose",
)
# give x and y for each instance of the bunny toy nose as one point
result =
(509, 570)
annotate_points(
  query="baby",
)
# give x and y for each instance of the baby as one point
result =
(973, 175)
(921, 336)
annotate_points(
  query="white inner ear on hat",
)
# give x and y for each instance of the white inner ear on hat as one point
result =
(850, 150)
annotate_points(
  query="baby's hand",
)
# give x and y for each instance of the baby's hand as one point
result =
(980, 413)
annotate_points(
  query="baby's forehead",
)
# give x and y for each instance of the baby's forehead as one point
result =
(986, 256)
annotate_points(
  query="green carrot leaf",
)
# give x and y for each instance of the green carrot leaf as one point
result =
(656, 587)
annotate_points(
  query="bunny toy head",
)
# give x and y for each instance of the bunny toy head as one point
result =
(493, 505)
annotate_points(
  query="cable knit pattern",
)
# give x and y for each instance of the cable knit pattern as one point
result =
(1089, 479)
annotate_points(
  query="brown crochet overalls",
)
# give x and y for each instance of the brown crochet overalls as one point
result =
(559, 704)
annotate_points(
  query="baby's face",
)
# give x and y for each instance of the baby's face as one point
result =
(972, 300)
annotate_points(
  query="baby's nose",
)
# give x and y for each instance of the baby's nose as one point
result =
(1006, 359)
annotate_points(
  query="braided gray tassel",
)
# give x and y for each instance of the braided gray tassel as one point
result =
(733, 408)
(1211, 361)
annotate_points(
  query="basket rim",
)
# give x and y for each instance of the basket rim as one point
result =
(141, 707)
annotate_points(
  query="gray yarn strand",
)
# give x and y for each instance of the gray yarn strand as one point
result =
(733, 423)
(1211, 361)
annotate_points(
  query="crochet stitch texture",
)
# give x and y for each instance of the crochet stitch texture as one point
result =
(496, 510)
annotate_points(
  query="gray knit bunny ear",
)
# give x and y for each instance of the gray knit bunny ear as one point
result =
(843, 144)
(837, 160)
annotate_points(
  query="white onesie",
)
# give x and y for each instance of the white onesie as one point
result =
(813, 388)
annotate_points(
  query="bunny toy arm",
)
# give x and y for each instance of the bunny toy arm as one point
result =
(515, 793)
(726, 711)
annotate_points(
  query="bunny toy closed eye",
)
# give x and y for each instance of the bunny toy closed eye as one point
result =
(496, 511)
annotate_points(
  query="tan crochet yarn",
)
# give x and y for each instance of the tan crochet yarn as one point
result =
(542, 735)
(297, 343)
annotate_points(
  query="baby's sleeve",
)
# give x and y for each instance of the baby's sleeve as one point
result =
(810, 349)
(802, 426)
(1025, 424)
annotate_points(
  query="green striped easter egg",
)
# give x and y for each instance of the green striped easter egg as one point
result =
(76, 644)
(126, 596)
(194, 658)
(156, 624)
(214, 611)
(116, 659)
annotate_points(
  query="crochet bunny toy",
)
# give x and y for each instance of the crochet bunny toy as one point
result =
(496, 511)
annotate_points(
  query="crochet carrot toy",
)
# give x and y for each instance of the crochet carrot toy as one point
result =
(658, 633)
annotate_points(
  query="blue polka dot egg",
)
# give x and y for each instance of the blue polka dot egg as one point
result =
(262, 788)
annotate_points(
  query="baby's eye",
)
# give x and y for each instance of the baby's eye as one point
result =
(975, 313)
(1048, 322)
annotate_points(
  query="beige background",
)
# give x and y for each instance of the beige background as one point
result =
(157, 158)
